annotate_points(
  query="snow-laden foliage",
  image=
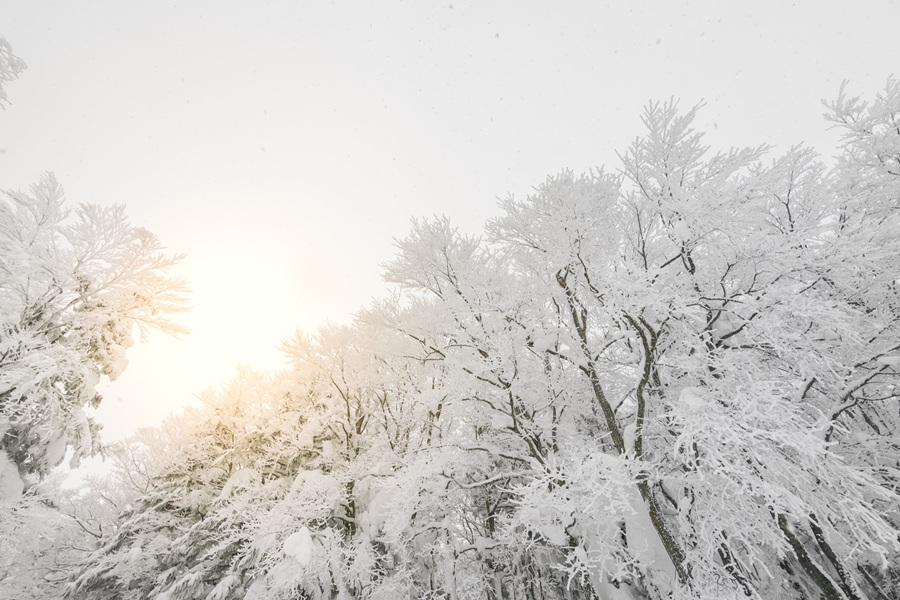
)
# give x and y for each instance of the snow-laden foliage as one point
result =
(72, 288)
(675, 381)
(10, 67)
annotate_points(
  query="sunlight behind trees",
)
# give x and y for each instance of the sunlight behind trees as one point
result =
(672, 377)
(674, 381)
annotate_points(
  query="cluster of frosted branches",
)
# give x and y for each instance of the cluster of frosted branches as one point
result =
(676, 381)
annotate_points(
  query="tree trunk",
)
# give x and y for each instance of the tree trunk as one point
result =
(847, 583)
(830, 590)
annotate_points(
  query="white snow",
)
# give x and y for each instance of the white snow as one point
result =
(11, 485)
(555, 533)
(313, 479)
(212, 474)
(222, 589)
(501, 421)
(239, 479)
(628, 435)
(691, 398)
(644, 542)
(118, 362)
(299, 546)
(328, 451)
(541, 342)
(382, 500)
(56, 450)
(608, 591)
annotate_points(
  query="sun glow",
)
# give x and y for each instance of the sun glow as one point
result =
(243, 302)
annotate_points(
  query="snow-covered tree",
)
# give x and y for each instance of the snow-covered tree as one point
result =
(73, 285)
(72, 288)
(676, 381)
(10, 67)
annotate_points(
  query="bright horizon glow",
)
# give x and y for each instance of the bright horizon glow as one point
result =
(283, 146)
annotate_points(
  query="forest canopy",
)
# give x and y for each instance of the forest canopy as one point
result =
(677, 378)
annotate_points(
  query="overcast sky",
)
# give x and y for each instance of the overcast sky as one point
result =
(284, 145)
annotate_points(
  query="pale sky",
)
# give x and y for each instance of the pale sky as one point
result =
(284, 145)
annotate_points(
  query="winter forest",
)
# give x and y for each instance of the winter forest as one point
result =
(678, 377)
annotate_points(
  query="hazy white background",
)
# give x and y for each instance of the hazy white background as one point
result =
(283, 145)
